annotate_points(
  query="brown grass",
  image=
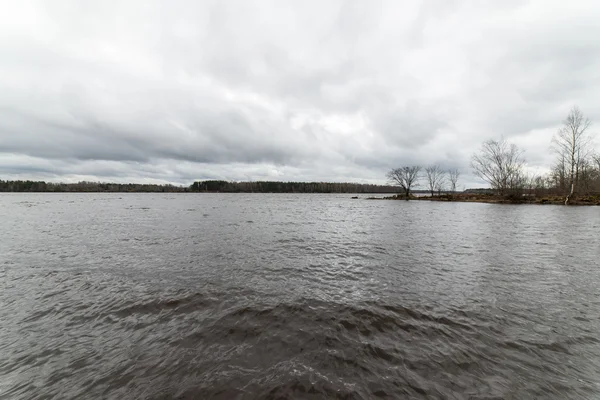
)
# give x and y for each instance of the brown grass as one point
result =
(592, 200)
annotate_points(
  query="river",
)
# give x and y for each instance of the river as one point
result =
(244, 296)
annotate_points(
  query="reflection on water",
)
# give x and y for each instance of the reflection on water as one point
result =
(295, 296)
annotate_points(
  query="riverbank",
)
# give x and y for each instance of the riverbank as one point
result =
(587, 200)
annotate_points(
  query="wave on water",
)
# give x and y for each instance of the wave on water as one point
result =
(139, 297)
(230, 344)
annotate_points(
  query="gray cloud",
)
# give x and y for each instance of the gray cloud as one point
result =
(340, 90)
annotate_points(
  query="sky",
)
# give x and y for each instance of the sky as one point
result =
(178, 91)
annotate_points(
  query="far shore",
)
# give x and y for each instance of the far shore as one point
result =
(583, 200)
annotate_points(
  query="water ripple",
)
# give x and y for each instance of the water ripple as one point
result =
(295, 296)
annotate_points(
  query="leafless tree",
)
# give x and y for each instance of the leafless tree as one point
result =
(435, 178)
(586, 175)
(572, 144)
(529, 183)
(453, 175)
(405, 177)
(534, 184)
(596, 173)
(559, 173)
(596, 158)
(441, 186)
(500, 164)
(540, 185)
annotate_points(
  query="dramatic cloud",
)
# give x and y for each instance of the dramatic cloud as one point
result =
(157, 91)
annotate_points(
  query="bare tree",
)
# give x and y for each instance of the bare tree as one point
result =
(596, 158)
(540, 185)
(572, 144)
(453, 175)
(441, 186)
(585, 175)
(559, 173)
(435, 178)
(596, 184)
(533, 183)
(405, 177)
(500, 164)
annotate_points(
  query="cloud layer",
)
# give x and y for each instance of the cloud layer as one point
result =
(157, 91)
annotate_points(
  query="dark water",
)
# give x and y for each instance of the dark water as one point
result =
(296, 296)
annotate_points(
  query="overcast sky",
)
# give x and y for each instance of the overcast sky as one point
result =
(176, 91)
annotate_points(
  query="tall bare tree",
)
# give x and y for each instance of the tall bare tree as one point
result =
(500, 164)
(453, 175)
(405, 177)
(435, 178)
(573, 145)
(559, 173)
(596, 158)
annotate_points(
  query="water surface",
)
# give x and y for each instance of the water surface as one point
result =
(295, 296)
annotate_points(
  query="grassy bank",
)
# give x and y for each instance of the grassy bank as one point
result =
(590, 200)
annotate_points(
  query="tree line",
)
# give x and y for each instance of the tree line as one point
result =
(198, 186)
(501, 164)
(288, 187)
(41, 186)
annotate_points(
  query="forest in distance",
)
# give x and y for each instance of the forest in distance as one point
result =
(212, 186)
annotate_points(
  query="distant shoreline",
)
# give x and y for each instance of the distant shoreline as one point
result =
(588, 200)
(209, 186)
(584, 200)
